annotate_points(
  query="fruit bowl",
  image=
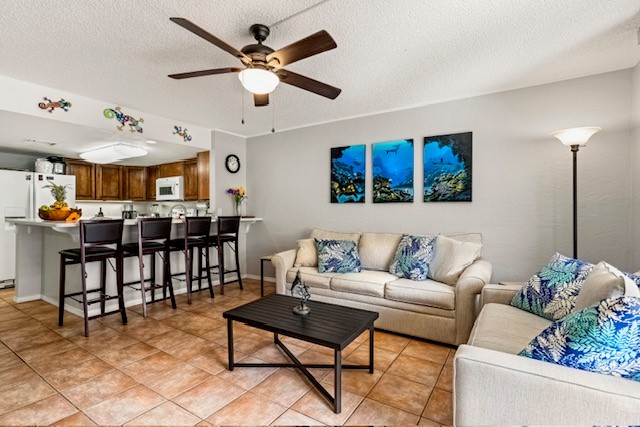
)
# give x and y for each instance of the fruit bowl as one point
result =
(54, 214)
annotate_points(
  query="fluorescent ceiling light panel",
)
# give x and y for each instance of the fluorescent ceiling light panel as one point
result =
(113, 153)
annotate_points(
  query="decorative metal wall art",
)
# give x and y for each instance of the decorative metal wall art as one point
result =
(124, 119)
(182, 132)
(50, 105)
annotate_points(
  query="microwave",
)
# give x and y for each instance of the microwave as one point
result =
(170, 188)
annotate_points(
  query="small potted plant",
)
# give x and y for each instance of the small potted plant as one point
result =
(238, 194)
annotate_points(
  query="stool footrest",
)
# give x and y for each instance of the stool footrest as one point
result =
(95, 316)
(101, 298)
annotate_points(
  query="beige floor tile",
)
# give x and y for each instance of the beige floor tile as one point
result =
(389, 341)
(274, 354)
(445, 380)
(428, 423)
(24, 394)
(247, 377)
(20, 374)
(9, 361)
(76, 420)
(251, 342)
(61, 361)
(440, 407)
(449, 361)
(146, 329)
(17, 343)
(317, 407)
(143, 369)
(401, 393)
(177, 380)
(128, 355)
(125, 406)
(42, 412)
(46, 350)
(415, 369)
(158, 310)
(190, 347)
(284, 387)
(311, 357)
(371, 412)
(355, 380)
(104, 344)
(382, 359)
(167, 340)
(293, 418)
(202, 326)
(208, 397)
(345, 353)
(166, 414)
(249, 409)
(426, 350)
(99, 388)
(219, 335)
(77, 374)
(216, 360)
(4, 349)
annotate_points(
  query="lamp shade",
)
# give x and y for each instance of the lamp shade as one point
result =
(576, 136)
(258, 81)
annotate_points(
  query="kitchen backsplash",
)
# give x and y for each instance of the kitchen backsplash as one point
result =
(115, 208)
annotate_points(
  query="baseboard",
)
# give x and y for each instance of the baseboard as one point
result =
(253, 276)
(27, 299)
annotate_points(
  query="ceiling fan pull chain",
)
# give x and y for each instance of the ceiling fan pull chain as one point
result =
(242, 94)
(273, 112)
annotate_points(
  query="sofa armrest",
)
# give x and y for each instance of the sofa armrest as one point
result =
(282, 262)
(468, 288)
(495, 388)
(500, 294)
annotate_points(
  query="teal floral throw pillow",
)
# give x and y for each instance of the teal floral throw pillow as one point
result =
(338, 256)
(552, 292)
(412, 258)
(603, 338)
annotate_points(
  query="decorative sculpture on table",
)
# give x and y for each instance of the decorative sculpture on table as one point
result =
(300, 290)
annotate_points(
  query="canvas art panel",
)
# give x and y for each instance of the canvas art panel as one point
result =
(447, 168)
(393, 171)
(347, 174)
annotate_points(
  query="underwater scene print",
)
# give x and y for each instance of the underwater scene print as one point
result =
(347, 174)
(393, 171)
(447, 168)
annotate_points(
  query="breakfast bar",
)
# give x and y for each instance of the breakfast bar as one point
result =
(38, 244)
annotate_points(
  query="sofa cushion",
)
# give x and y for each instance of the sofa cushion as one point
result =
(367, 282)
(311, 277)
(318, 233)
(412, 257)
(450, 259)
(427, 292)
(377, 250)
(552, 292)
(505, 328)
(602, 338)
(605, 281)
(338, 256)
(307, 255)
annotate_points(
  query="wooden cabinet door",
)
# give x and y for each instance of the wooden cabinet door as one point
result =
(109, 182)
(191, 180)
(152, 175)
(203, 175)
(135, 183)
(171, 169)
(85, 174)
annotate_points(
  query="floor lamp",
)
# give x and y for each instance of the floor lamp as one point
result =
(575, 138)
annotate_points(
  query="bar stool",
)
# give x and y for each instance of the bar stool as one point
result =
(154, 235)
(228, 232)
(94, 238)
(196, 236)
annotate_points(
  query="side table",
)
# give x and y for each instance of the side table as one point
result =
(262, 260)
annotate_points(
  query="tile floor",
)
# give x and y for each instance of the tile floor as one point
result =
(170, 369)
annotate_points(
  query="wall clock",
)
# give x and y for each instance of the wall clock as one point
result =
(232, 163)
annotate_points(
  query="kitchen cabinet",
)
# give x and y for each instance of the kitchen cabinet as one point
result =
(191, 180)
(85, 174)
(152, 175)
(135, 183)
(171, 169)
(203, 175)
(109, 182)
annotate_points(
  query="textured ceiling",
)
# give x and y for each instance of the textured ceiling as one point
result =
(390, 55)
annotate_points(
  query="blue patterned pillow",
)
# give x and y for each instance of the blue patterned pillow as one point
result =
(552, 292)
(338, 256)
(412, 258)
(603, 338)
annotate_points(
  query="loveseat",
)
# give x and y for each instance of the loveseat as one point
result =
(427, 309)
(493, 385)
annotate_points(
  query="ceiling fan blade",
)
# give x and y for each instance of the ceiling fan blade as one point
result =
(188, 25)
(306, 83)
(261, 100)
(309, 46)
(200, 73)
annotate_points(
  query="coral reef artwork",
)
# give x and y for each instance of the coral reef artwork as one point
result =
(178, 130)
(447, 168)
(347, 174)
(50, 105)
(124, 119)
(393, 171)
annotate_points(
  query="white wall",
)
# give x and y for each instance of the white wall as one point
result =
(635, 182)
(224, 144)
(18, 161)
(521, 176)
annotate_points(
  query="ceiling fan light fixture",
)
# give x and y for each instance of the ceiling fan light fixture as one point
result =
(258, 81)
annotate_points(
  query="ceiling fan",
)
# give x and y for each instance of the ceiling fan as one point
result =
(263, 66)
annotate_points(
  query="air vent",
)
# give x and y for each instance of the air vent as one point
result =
(39, 141)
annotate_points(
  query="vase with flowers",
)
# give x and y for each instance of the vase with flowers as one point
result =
(238, 194)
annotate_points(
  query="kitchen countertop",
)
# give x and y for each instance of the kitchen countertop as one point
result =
(64, 224)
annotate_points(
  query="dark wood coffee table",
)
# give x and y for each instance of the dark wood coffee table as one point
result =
(328, 325)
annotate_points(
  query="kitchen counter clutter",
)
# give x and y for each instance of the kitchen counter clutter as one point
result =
(38, 244)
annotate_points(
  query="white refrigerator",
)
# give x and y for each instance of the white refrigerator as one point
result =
(22, 194)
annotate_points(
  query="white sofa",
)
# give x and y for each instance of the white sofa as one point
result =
(425, 309)
(495, 386)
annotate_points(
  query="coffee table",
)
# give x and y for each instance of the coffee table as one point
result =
(328, 325)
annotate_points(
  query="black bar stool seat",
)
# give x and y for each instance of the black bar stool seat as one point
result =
(147, 248)
(192, 242)
(97, 252)
(228, 231)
